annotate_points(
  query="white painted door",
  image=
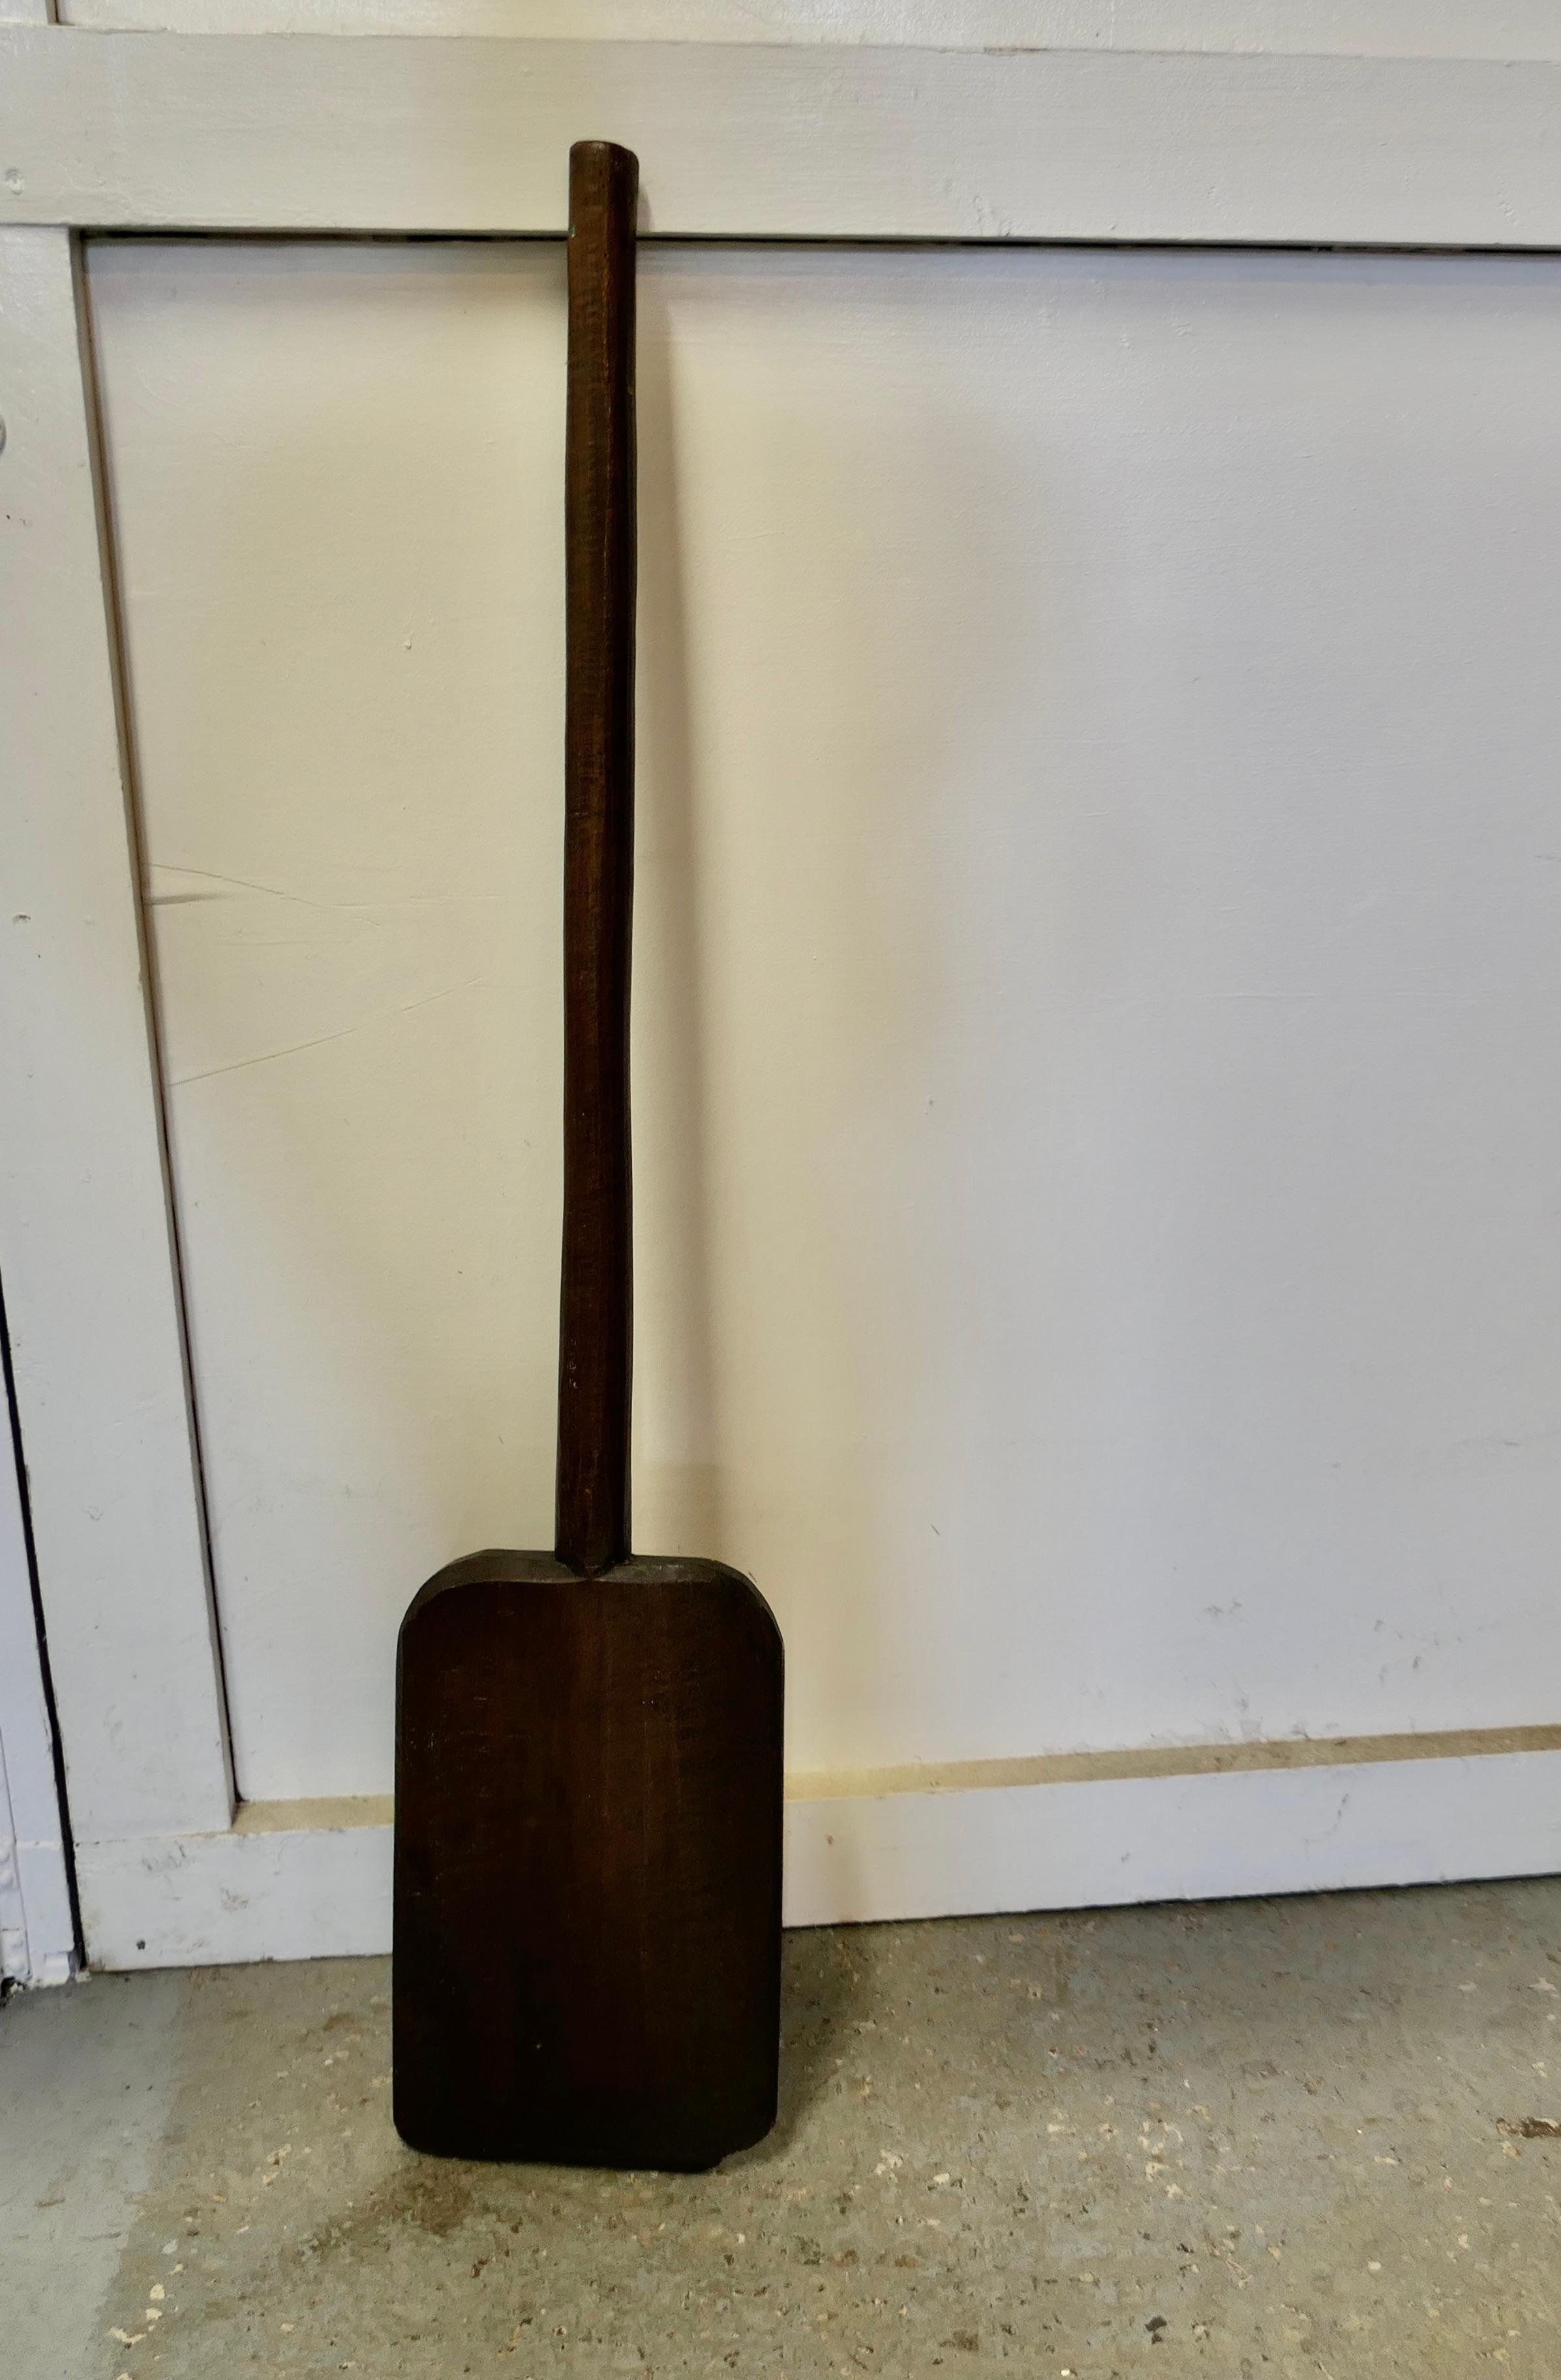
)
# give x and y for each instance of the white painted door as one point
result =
(1093, 1057)
(1099, 1141)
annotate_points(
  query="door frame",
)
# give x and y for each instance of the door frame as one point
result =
(318, 136)
(37, 1930)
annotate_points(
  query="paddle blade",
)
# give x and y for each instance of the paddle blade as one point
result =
(587, 1864)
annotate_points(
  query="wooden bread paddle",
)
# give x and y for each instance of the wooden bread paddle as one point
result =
(588, 1748)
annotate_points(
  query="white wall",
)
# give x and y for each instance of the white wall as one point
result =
(1098, 1139)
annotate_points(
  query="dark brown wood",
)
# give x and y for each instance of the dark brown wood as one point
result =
(587, 1888)
(586, 1955)
(598, 860)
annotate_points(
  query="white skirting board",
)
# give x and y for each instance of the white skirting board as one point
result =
(312, 1879)
(37, 1937)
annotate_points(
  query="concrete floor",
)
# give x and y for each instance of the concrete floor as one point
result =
(1291, 2138)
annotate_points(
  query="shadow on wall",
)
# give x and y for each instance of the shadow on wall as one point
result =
(686, 1495)
(840, 618)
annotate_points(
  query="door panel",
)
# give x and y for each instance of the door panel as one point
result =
(1097, 1136)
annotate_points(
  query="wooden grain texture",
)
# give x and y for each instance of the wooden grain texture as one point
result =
(586, 1948)
(599, 857)
(588, 1893)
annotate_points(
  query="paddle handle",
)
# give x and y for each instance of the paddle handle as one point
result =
(596, 1305)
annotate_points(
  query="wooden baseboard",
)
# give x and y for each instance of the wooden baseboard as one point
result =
(311, 1880)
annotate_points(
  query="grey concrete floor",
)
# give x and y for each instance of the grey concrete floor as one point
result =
(1291, 2138)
